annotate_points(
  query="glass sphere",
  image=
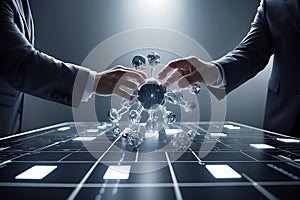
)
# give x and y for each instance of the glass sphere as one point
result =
(174, 97)
(151, 94)
(190, 106)
(195, 89)
(182, 140)
(135, 139)
(126, 132)
(151, 126)
(153, 58)
(113, 115)
(138, 61)
(134, 116)
(116, 131)
(169, 117)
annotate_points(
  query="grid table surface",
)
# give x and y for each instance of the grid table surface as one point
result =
(157, 169)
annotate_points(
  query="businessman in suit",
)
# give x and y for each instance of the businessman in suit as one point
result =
(25, 69)
(274, 31)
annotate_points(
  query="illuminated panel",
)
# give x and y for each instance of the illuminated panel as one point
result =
(287, 140)
(92, 130)
(102, 126)
(262, 146)
(36, 172)
(217, 134)
(64, 128)
(117, 172)
(172, 131)
(222, 171)
(84, 139)
(232, 127)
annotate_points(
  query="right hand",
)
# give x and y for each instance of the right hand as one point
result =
(189, 71)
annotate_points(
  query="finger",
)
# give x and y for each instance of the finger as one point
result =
(168, 68)
(128, 84)
(123, 94)
(176, 64)
(164, 72)
(174, 77)
(120, 67)
(190, 79)
(143, 74)
(134, 76)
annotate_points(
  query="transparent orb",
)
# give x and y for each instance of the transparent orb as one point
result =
(174, 97)
(134, 116)
(153, 58)
(113, 115)
(135, 139)
(195, 89)
(125, 104)
(151, 126)
(116, 132)
(138, 61)
(190, 106)
(151, 94)
(126, 132)
(169, 117)
(182, 141)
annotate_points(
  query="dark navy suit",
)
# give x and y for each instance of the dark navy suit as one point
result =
(275, 31)
(24, 69)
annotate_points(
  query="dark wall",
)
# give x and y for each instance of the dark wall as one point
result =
(70, 29)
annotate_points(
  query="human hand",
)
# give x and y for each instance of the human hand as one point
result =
(190, 71)
(119, 80)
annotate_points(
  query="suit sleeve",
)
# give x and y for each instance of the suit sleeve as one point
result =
(251, 55)
(33, 72)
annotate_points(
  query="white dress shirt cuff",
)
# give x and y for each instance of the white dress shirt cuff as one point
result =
(221, 81)
(88, 91)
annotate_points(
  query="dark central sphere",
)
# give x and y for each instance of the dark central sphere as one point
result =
(151, 94)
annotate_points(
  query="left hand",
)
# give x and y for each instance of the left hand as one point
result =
(119, 80)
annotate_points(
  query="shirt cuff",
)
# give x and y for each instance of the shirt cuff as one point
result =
(88, 90)
(221, 81)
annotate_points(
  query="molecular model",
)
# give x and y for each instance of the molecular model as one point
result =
(151, 99)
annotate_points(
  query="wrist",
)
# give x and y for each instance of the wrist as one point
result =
(218, 82)
(97, 79)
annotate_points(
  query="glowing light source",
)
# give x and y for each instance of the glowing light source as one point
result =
(117, 172)
(36, 172)
(150, 12)
(154, 2)
(222, 171)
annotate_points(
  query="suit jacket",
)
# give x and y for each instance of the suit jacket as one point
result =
(25, 69)
(274, 31)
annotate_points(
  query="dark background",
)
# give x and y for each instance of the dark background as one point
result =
(70, 29)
